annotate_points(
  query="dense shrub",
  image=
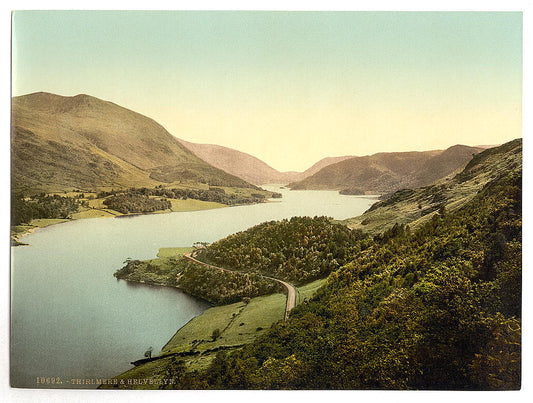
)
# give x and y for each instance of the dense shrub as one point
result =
(23, 210)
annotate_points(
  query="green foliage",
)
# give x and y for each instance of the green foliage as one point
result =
(298, 250)
(23, 210)
(435, 308)
(223, 287)
(215, 335)
(137, 199)
(133, 203)
(157, 271)
(215, 286)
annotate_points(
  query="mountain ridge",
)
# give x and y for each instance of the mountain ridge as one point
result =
(416, 206)
(383, 173)
(249, 167)
(60, 143)
(240, 164)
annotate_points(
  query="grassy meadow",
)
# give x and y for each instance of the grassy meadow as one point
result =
(237, 324)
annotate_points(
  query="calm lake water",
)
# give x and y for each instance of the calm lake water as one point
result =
(72, 319)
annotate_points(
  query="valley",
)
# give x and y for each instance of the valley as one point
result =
(380, 283)
(446, 227)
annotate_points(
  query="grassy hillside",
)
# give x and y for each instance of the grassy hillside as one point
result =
(387, 172)
(417, 206)
(193, 347)
(436, 308)
(81, 142)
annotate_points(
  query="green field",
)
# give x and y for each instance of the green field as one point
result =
(193, 205)
(306, 291)
(173, 252)
(18, 231)
(238, 323)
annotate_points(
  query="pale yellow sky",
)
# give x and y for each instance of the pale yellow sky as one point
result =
(288, 87)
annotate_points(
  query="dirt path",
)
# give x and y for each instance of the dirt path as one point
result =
(291, 290)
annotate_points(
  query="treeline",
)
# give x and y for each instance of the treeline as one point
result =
(436, 308)
(215, 286)
(298, 250)
(23, 210)
(127, 203)
(213, 194)
(223, 287)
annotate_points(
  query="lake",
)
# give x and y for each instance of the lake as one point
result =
(70, 318)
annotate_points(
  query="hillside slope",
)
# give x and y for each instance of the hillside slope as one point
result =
(240, 164)
(417, 206)
(60, 143)
(438, 308)
(435, 308)
(250, 168)
(387, 172)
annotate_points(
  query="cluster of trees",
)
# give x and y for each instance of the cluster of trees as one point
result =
(352, 191)
(23, 210)
(223, 287)
(127, 203)
(436, 308)
(151, 273)
(215, 286)
(213, 194)
(298, 250)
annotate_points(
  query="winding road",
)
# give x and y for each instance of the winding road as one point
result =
(291, 290)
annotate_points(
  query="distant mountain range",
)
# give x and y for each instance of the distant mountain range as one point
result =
(387, 172)
(81, 142)
(417, 206)
(250, 168)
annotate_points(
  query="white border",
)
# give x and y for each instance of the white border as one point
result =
(8, 394)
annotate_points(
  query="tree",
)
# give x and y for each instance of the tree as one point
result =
(216, 334)
(148, 353)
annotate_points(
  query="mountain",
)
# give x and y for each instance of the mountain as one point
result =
(240, 164)
(387, 172)
(324, 162)
(250, 168)
(416, 206)
(435, 306)
(60, 143)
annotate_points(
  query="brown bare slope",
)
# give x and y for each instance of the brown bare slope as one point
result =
(240, 164)
(250, 168)
(387, 172)
(60, 143)
(324, 162)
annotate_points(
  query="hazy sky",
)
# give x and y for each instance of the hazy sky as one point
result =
(288, 87)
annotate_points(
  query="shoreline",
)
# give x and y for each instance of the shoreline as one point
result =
(155, 284)
(240, 324)
(15, 237)
(178, 206)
